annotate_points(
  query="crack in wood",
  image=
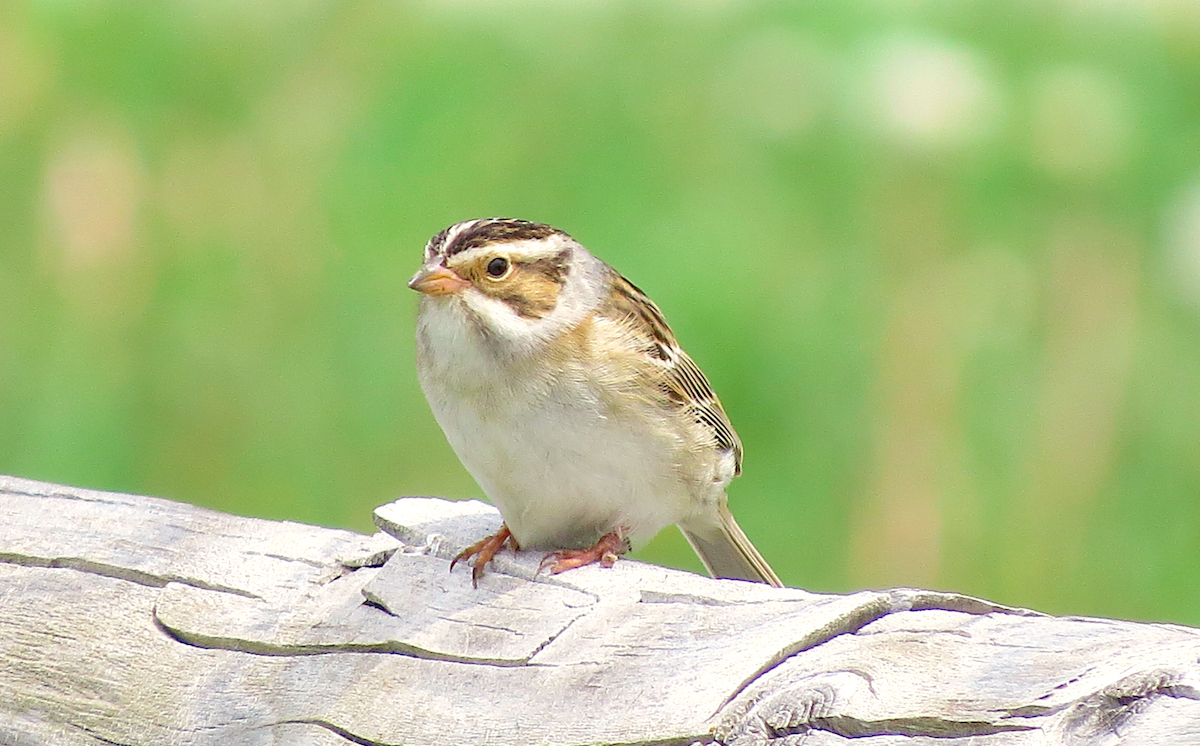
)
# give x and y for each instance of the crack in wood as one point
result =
(1106, 711)
(117, 572)
(253, 647)
(896, 601)
(303, 560)
(101, 739)
(8, 490)
(373, 601)
(337, 730)
(849, 623)
(480, 625)
(661, 597)
(358, 740)
(929, 727)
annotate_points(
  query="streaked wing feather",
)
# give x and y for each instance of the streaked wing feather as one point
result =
(682, 380)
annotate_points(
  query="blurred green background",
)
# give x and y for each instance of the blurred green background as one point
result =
(941, 260)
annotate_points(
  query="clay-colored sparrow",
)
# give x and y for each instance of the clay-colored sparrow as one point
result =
(567, 398)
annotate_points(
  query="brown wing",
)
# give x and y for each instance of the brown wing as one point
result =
(683, 382)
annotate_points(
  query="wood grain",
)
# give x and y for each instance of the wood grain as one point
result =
(135, 620)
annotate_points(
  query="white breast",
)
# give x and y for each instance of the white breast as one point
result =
(562, 466)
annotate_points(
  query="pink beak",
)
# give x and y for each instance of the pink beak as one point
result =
(438, 280)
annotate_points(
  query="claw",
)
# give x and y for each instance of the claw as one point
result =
(606, 551)
(483, 551)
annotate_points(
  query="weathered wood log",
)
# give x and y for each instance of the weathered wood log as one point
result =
(134, 620)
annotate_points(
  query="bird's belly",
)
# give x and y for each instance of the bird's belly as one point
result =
(562, 475)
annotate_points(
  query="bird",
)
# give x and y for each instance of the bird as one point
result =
(566, 396)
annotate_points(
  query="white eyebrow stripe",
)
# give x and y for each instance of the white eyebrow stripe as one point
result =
(529, 250)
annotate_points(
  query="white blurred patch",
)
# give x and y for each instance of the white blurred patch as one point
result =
(1080, 123)
(1183, 242)
(92, 196)
(774, 83)
(931, 94)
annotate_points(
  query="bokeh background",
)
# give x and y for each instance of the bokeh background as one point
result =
(941, 260)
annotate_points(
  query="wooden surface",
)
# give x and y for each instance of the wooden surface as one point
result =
(133, 620)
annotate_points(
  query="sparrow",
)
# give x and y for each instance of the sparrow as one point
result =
(564, 393)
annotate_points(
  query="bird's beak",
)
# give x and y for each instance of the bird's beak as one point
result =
(439, 280)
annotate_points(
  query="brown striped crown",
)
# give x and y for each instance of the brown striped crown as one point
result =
(475, 233)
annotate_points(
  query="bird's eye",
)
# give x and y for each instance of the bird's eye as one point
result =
(497, 267)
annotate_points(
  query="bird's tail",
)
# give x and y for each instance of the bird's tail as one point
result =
(727, 552)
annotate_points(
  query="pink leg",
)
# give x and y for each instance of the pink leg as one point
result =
(483, 551)
(605, 551)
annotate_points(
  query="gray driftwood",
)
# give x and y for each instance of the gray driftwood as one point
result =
(134, 620)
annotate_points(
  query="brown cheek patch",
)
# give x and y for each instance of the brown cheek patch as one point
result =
(531, 289)
(553, 268)
(530, 295)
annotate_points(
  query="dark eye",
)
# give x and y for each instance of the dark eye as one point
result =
(497, 267)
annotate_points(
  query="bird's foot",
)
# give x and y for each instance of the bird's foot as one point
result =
(483, 551)
(606, 551)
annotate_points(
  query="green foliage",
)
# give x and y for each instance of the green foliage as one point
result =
(941, 261)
